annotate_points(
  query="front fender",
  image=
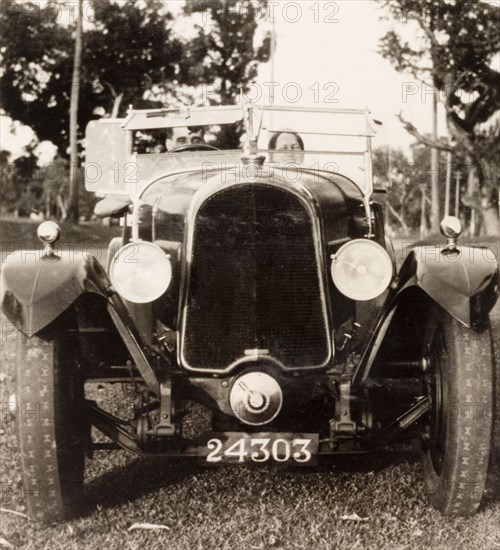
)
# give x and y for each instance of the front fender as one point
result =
(37, 287)
(464, 282)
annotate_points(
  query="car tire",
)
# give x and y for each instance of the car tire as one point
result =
(50, 426)
(457, 440)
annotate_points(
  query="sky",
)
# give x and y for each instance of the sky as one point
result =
(326, 55)
(331, 53)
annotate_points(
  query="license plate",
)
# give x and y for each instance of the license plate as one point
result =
(237, 447)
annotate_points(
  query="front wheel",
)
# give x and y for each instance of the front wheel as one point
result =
(50, 426)
(457, 440)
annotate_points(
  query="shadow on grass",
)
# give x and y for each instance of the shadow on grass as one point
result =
(492, 490)
(136, 479)
(372, 462)
(144, 475)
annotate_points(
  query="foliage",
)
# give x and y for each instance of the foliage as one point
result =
(403, 176)
(36, 68)
(126, 44)
(224, 54)
(14, 184)
(29, 189)
(130, 45)
(226, 45)
(126, 47)
(456, 43)
(390, 172)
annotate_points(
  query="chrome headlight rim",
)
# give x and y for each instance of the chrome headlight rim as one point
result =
(140, 272)
(359, 268)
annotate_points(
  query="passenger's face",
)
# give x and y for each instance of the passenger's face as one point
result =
(184, 136)
(290, 149)
(287, 142)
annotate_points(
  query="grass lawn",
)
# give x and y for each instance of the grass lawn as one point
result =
(232, 507)
(89, 238)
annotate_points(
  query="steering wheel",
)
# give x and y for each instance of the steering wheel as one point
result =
(193, 147)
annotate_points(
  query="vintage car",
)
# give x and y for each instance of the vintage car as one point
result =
(258, 285)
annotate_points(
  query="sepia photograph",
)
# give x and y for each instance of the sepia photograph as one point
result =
(249, 274)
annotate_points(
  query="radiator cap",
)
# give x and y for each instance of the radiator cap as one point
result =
(256, 398)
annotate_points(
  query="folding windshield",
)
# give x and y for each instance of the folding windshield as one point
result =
(318, 139)
(153, 143)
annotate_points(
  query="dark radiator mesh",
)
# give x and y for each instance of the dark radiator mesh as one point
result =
(254, 281)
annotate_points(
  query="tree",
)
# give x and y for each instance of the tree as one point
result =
(73, 119)
(403, 176)
(455, 47)
(36, 68)
(390, 172)
(224, 54)
(129, 45)
(125, 44)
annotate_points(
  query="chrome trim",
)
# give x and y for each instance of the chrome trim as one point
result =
(369, 188)
(249, 360)
(307, 199)
(256, 351)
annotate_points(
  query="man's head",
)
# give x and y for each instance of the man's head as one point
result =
(192, 135)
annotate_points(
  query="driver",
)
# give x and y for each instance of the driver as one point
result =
(185, 135)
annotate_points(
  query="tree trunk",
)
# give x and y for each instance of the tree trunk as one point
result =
(404, 226)
(481, 190)
(435, 214)
(480, 197)
(62, 208)
(487, 173)
(72, 212)
(491, 223)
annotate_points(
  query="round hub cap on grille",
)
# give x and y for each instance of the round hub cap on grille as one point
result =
(256, 398)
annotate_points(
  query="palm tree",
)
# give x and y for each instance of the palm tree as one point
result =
(72, 212)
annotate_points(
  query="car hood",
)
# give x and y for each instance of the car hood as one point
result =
(174, 193)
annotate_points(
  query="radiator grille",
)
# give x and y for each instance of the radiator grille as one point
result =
(254, 281)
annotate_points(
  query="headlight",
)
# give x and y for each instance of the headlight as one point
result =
(141, 272)
(361, 269)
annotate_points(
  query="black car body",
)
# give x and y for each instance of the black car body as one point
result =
(259, 284)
